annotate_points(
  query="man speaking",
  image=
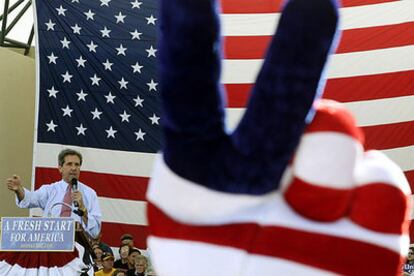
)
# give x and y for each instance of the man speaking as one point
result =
(58, 199)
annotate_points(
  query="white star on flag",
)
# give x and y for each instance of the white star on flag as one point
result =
(76, 29)
(154, 119)
(52, 92)
(52, 58)
(151, 20)
(105, 2)
(81, 96)
(96, 114)
(120, 18)
(105, 32)
(89, 15)
(67, 77)
(50, 25)
(121, 50)
(136, 68)
(95, 80)
(111, 132)
(67, 111)
(123, 84)
(92, 47)
(107, 65)
(138, 101)
(51, 126)
(151, 51)
(65, 43)
(140, 135)
(81, 130)
(125, 117)
(136, 4)
(81, 61)
(61, 10)
(110, 98)
(135, 35)
(152, 85)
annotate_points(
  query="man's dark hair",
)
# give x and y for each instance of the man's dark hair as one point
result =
(122, 245)
(117, 271)
(132, 250)
(127, 237)
(66, 152)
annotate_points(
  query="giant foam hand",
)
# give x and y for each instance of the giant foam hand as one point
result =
(277, 196)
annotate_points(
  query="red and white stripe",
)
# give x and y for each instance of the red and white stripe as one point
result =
(338, 207)
(42, 263)
(238, 234)
(371, 72)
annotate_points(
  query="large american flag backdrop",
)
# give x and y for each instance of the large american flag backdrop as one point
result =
(97, 88)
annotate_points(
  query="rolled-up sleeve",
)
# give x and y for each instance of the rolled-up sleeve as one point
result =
(35, 199)
(94, 216)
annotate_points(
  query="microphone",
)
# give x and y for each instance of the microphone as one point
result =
(74, 183)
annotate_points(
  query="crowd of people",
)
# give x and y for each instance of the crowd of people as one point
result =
(131, 261)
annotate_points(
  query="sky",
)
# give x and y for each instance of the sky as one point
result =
(22, 29)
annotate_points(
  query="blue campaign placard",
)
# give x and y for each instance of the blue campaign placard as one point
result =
(37, 234)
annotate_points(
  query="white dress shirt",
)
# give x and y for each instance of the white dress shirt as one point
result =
(49, 194)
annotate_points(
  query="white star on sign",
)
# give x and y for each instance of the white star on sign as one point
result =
(89, 15)
(105, 32)
(120, 18)
(52, 92)
(152, 85)
(50, 25)
(138, 101)
(154, 119)
(140, 135)
(124, 116)
(67, 77)
(65, 43)
(123, 83)
(92, 47)
(108, 65)
(135, 35)
(151, 51)
(67, 111)
(95, 80)
(110, 98)
(96, 114)
(52, 58)
(81, 95)
(81, 130)
(61, 10)
(51, 126)
(81, 61)
(111, 132)
(121, 50)
(151, 20)
(76, 29)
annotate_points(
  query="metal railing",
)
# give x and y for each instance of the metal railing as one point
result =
(6, 26)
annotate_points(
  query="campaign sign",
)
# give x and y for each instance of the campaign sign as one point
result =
(37, 234)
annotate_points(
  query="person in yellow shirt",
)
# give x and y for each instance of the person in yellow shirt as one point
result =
(108, 265)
